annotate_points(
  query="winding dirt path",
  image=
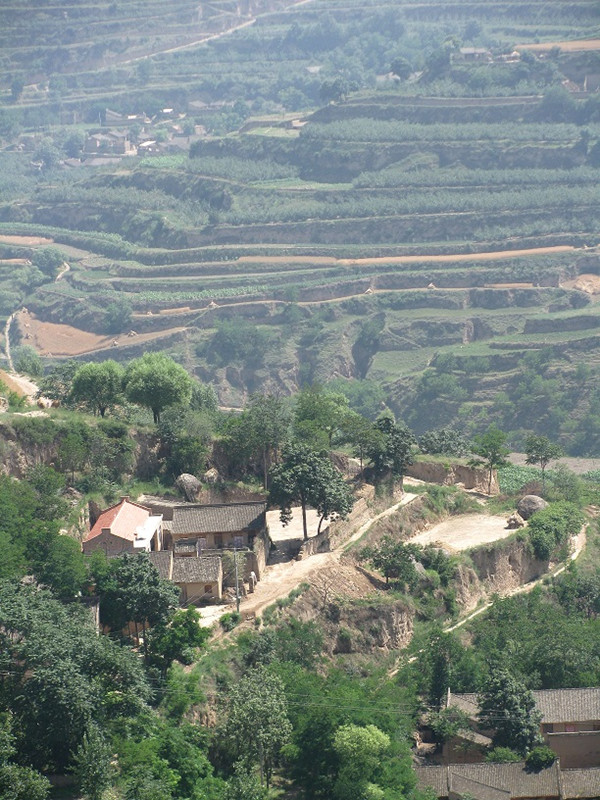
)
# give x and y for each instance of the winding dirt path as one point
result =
(280, 579)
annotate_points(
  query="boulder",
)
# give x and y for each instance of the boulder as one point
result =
(514, 522)
(211, 476)
(189, 486)
(529, 504)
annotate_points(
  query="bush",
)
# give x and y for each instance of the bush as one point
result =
(229, 621)
(540, 758)
(552, 526)
(502, 755)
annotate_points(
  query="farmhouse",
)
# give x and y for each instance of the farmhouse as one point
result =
(570, 726)
(126, 527)
(200, 579)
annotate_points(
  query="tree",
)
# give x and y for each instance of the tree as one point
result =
(56, 385)
(131, 590)
(48, 260)
(394, 559)
(92, 764)
(98, 386)
(257, 724)
(16, 89)
(359, 750)
(360, 434)
(540, 450)
(244, 785)
(28, 361)
(391, 452)
(157, 382)
(401, 67)
(310, 479)
(258, 432)
(18, 783)
(508, 708)
(319, 414)
(117, 315)
(490, 451)
(59, 675)
(63, 569)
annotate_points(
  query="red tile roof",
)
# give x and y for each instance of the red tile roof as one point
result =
(122, 519)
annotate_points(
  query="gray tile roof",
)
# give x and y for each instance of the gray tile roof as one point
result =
(435, 777)
(162, 560)
(568, 705)
(226, 518)
(556, 705)
(581, 783)
(196, 570)
(491, 781)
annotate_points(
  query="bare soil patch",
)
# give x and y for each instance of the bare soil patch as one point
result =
(16, 383)
(588, 283)
(577, 465)
(568, 47)
(492, 256)
(464, 532)
(57, 339)
(25, 240)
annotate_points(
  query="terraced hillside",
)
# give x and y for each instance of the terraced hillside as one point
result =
(430, 234)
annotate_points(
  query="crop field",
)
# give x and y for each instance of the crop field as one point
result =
(436, 231)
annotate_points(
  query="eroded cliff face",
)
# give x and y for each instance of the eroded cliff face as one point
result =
(450, 474)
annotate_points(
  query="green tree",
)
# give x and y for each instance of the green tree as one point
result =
(98, 386)
(48, 260)
(540, 450)
(244, 785)
(59, 675)
(490, 451)
(391, 452)
(63, 569)
(401, 67)
(157, 382)
(394, 559)
(508, 708)
(17, 783)
(28, 361)
(73, 451)
(92, 764)
(117, 315)
(56, 385)
(306, 477)
(359, 750)
(131, 590)
(257, 725)
(178, 638)
(319, 414)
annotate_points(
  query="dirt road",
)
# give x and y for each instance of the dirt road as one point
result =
(281, 578)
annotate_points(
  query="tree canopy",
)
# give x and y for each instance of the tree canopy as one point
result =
(98, 386)
(157, 382)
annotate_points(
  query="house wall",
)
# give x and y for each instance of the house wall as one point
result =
(195, 592)
(109, 544)
(576, 750)
(216, 540)
(259, 555)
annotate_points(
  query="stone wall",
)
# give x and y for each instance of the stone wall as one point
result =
(336, 533)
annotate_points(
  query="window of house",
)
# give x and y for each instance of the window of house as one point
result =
(208, 588)
(570, 728)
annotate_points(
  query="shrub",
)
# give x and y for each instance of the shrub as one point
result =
(502, 755)
(540, 758)
(552, 526)
(229, 621)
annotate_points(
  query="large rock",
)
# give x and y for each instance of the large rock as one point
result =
(189, 485)
(529, 504)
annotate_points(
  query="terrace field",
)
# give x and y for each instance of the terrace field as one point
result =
(432, 234)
